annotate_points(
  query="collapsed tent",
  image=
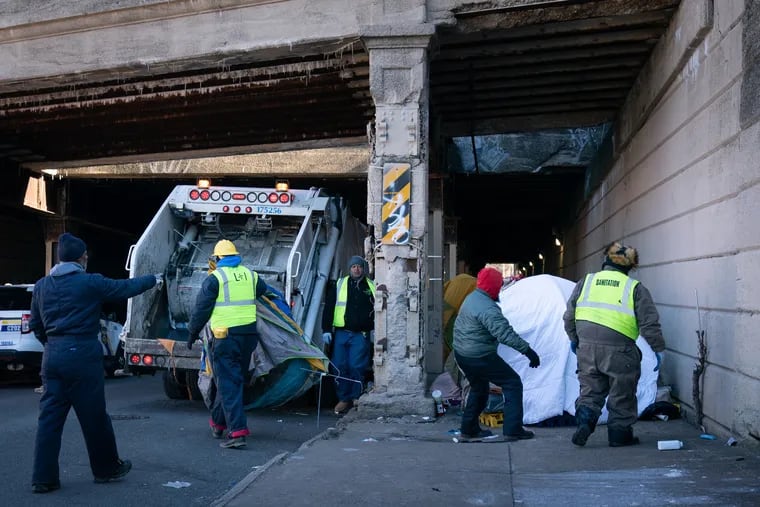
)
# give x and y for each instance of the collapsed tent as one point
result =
(534, 306)
(283, 366)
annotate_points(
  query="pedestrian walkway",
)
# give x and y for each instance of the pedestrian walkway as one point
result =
(400, 462)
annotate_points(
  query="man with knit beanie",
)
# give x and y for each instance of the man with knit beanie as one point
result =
(65, 316)
(478, 330)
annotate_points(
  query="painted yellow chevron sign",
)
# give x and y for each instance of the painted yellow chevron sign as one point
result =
(397, 192)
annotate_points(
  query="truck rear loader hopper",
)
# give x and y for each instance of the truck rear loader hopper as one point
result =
(296, 240)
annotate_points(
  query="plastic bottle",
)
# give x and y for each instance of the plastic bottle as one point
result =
(438, 399)
(669, 445)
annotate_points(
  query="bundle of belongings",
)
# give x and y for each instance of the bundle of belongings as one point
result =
(534, 307)
(283, 366)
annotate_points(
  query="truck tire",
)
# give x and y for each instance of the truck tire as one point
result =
(173, 389)
(192, 385)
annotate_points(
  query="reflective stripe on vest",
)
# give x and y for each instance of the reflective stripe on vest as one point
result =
(235, 304)
(339, 317)
(607, 299)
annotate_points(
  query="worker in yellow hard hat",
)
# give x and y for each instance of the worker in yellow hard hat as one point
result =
(227, 300)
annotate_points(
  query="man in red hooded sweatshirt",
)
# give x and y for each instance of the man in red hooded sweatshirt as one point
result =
(478, 330)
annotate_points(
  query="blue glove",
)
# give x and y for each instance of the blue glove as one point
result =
(574, 347)
(658, 355)
(326, 338)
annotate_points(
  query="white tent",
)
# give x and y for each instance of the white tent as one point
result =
(534, 306)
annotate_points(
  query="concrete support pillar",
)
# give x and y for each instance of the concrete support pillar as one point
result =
(399, 85)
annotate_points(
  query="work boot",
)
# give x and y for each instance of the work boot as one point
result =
(233, 443)
(342, 407)
(621, 437)
(122, 469)
(42, 487)
(586, 425)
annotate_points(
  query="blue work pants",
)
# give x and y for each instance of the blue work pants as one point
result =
(350, 358)
(73, 373)
(231, 357)
(479, 372)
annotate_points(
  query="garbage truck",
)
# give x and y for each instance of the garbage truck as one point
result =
(295, 239)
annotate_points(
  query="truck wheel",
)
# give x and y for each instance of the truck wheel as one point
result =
(173, 389)
(192, 385)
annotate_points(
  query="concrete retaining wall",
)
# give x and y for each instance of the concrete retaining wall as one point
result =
(685, 190)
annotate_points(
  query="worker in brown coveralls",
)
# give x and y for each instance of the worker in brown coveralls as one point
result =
(606, 313)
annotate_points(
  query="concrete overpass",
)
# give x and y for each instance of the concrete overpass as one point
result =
(140, 82)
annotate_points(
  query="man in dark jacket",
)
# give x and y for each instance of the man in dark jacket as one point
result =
(227, 301)
(65, 316)
(478, 330)
(605, 315)
(353, 317)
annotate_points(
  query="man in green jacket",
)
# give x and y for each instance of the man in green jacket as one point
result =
(478, 330)
(606, 313)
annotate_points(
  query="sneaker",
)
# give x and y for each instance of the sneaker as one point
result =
(217, 433)
(523, 434)
(42, 487)
(122, 469)
(476, 436)
(233, 443)
(342, 407)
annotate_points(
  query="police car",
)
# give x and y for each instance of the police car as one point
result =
(20, 351)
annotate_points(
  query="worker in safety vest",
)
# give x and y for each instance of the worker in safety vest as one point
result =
(227, 300)
(353, 319)
(606, 313)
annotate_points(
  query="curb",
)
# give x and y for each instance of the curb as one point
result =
(280, 458)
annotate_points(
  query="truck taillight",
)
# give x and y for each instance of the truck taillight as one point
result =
(205, 194)
(25, 323)
(134, 359)
(147, 360)
(194, 195)
(273, 197)
(284, 198)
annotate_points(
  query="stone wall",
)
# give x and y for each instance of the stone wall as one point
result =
(684, 189)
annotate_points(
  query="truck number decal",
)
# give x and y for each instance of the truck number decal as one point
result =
(269, 210)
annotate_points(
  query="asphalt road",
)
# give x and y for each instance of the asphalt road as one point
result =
(168, 442)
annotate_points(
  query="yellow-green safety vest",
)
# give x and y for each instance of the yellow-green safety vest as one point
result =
(235, 304)
(607, 299)
(339, 317)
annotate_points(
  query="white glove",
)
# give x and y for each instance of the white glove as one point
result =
(159, 281)
(327, 338)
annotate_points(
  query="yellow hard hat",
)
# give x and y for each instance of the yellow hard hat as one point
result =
(225, 247)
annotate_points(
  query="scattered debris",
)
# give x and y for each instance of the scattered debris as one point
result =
(732, 442)
(707, 436)
(177, 484)
(370, 439)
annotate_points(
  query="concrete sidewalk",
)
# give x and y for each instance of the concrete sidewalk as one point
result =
(403, 462)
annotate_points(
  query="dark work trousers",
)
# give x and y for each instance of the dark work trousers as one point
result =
(231, 358)
(350, 357)
(73, 373)
(479, 372)
(612, 372)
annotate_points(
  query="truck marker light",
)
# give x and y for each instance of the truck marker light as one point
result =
(134, 359)
(205, 194)
(236, 209)
(273, 198)
(147, 360)
(284, 198)
(282, 185)
(226, 208)
(248, 209)
(204, 183)
(238, 197)
(194, 194)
